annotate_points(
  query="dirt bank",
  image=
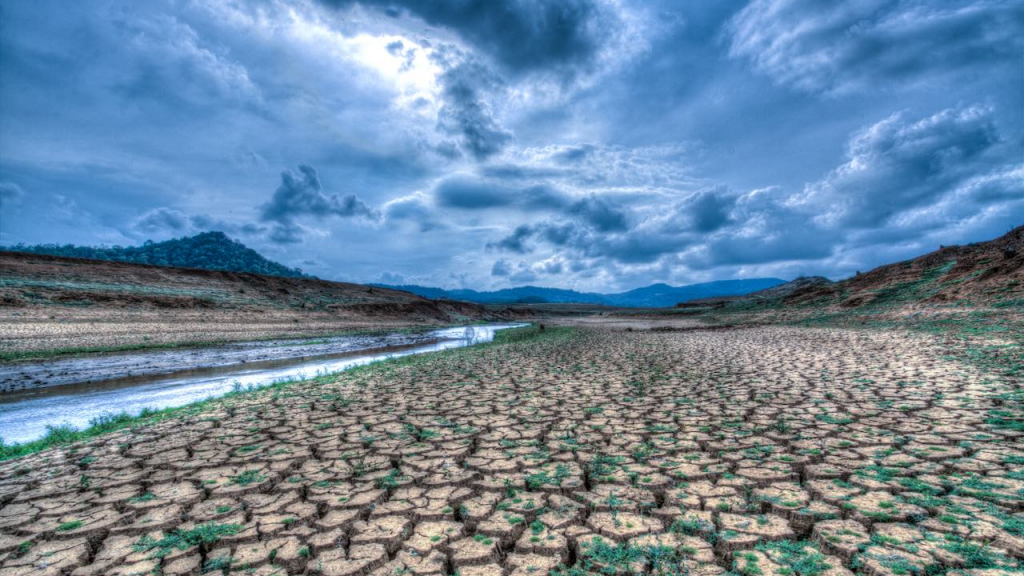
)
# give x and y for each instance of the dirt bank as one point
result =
(31, 375)
(51, 305)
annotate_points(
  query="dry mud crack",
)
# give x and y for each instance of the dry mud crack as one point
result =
(759, 451)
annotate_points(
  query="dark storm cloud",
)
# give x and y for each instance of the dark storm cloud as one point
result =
(761, 229)
(449, 150)
(573, 154)
(286, 233)
(673, 229)
(471, 193)
(758, 237)
(523, 275)
(708, 210)
(642, 246)
(598, 227)
(203, 222)
(600, 214)
(466, 114)
(501, 268)
(552, 267)
(516, 241)
(537, 35)
(302, 195)
(163, 220)
(860, 44)
(521, 172)
(559, 233)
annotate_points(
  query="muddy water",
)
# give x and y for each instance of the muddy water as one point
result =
(25, 414)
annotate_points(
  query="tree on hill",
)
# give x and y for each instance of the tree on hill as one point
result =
(208, 250)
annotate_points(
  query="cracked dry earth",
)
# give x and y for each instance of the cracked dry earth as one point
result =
(774, 451)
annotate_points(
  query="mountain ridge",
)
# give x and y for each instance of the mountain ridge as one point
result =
(654, 296)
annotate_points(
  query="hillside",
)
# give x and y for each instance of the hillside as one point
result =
(983, 273)
(772, 294)
(57, 303)
(34, 280)
(800, 284)
(980, 274)
(654, 296)
(208, 250)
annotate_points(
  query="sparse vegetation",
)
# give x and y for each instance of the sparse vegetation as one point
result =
(183, 539)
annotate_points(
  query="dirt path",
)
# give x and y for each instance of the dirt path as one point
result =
(765, 450)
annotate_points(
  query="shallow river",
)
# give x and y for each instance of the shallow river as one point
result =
(24, 415)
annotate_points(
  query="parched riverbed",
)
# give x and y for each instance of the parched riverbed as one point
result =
(76, 390)
(630, 451)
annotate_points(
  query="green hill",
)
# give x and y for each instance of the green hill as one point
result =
(208, 250)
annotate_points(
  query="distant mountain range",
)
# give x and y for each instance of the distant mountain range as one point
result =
(215, 251)
(208, 250)
(654, 296)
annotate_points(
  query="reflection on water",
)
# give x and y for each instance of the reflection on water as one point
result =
(25, 415)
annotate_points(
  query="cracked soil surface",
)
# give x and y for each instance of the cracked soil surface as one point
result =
(766, 450)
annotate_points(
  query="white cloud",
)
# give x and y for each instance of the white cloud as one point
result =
(863, 44)
(899, 164)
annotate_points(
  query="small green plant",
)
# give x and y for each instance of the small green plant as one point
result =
(601, 557)
(247, 477)
(220, 563)
(539, 479)
(69, 526)
(208, 533)
(391, 480)
(798, 558)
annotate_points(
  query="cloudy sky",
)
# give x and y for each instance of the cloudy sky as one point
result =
(590, 144)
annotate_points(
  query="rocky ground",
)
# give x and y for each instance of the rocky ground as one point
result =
(761, 450)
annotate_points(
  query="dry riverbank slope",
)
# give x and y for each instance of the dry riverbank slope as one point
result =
(50, 304)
